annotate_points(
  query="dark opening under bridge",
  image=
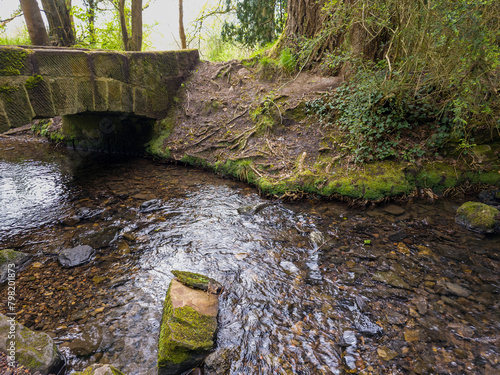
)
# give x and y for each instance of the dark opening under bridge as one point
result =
(84, 86)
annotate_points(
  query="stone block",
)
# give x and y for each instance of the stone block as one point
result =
(4, 120)
(140, 104)
(40, 96)
(64, 95)
(16, 102)
(100, 95)
(85, 96)
(14, 61)
(62, 62)
(110, 65)
(115, 96)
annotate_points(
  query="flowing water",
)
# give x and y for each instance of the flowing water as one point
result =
(309, 288)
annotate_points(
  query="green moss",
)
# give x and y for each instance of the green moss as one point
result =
(8, 255)
(12, 61)
(438, 176)
(33, 82)
(182, 331)
(477, 216)
(6, 92)
(163, 130)
(195, 280)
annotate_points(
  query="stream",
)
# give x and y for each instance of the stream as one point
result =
(309, 288)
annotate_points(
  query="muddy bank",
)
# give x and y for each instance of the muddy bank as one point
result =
(253, 124)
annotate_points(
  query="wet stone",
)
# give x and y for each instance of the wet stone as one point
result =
(386, 354)
(75, 256)
(391, 278)
(394, 210)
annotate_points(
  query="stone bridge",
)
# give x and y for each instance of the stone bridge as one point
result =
(86, 85)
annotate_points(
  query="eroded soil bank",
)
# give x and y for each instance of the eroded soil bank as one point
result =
(251, 123)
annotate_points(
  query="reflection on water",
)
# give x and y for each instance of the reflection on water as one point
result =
(310, 288)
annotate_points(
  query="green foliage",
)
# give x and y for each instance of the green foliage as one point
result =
(413, 67)
(258, 21)
(215, 48)
(21, 38)
(288, 60)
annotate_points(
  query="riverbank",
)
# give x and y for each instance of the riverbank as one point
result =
(253, 124)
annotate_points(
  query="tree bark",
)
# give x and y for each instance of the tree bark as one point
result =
(182, 34)
(34, 23)
(304, 18)
(136, 44)
(123, 25)
(60, 26)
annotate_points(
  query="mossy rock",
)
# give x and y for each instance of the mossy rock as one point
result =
(197, 281)
(478, 217)
(9, 256)
(34, 350)
(99, 369)
(188, 327)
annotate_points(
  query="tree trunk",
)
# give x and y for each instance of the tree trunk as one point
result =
(136, 44)
(304, 18)
(123, 25)
(60, 26)
(182, 34)
(34, 23)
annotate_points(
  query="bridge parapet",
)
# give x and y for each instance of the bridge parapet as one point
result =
(45, 82)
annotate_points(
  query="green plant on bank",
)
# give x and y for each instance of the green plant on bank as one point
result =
(266, 115)
(436, 68)
(19, 39)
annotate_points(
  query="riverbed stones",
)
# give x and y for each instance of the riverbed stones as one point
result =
(9, 256)
(100, 369)
(478, 217)
(34, 350)
(187, 329)
(75, 256)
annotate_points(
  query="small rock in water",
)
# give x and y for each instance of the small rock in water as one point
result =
(386, 354)
(150, 206)
(366, 327)
(317, 237)
(394, 210)
(348, 338)
(289, 266)
(75, 256)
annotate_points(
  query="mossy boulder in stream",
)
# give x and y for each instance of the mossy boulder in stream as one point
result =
(34, 350)
(187, 329)
(8, 256)
(99, 369)
(478, 217)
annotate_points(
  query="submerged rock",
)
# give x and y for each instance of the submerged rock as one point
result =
(478, 217)
(187, 329)
(34, 350)
(99, 369)
(7, 257)
(254, 209)
(75, 256)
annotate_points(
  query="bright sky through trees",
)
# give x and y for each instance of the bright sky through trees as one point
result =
(162, 12)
